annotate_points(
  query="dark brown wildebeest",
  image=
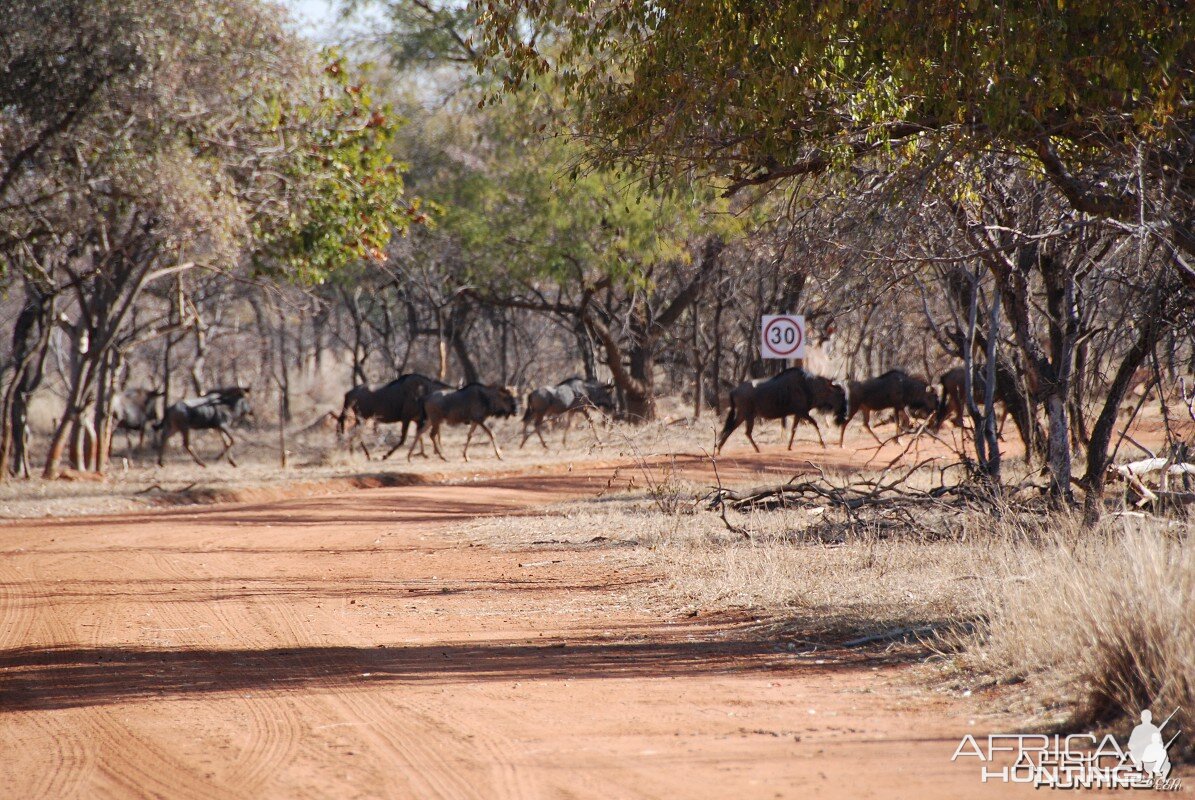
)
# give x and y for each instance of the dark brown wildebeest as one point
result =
(793, 392)
(135, 410)
(952, 392)
(568, 397)
(895, 389)
(472, 404)
(215, 410)
(397, 401)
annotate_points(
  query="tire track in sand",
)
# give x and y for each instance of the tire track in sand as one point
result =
(275, 729)
(27, 610)
(135, 765)
(393, 730)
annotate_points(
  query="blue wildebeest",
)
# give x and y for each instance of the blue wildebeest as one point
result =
(567, 398)
(135, 410)
(472, 404)
(951, 398)
(397, 401)
(895, 389)
(793, 392)
(215, 410)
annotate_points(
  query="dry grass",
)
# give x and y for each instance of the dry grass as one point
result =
(1088, 626)
(134, 480)
(1098, 623)
(805, 569)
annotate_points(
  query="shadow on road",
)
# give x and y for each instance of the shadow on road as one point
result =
(49, 678)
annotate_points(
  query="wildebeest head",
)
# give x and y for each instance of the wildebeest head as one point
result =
(502, 400)
(923, 403)
(601, 395)
(826, 395)
(236, 398)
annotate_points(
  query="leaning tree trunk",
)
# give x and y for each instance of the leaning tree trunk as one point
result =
(1151, 328)
(29, 355)
(80, 381)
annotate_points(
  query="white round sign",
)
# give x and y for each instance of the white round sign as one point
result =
(783, 336)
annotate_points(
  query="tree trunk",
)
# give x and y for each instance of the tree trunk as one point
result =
(640, 397)
(1101, 433)
(29, 357)
(1063, 320)
(460, 348)
(698, 363)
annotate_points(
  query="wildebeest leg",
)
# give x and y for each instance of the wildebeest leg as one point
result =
(401, 439)
(390, 452)
(435, 435)
(867, 424)
(751, 427)
(493, 441)
(845, 422)
(187, 445)
(534, 428)
(418, 440)
(229, 441)
(793, 435)
(812, 422)
(364, 449)
(167, 430)
(568, 423)
(469, 438)
(732, 422)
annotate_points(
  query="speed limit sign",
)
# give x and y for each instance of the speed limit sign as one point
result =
(783, 336)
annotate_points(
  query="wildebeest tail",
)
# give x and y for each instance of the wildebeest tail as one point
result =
(528, 414)
(349, 403)
(845, 407)
(730, 420)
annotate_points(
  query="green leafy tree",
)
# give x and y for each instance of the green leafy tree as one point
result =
(755, 93)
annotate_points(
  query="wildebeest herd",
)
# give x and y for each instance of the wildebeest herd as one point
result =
(430, 404)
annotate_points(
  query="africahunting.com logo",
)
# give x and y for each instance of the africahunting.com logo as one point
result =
(1077, 761)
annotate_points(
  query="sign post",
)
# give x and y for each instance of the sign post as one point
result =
(782, 336)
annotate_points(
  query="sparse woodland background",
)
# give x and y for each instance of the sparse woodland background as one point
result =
(519, 192)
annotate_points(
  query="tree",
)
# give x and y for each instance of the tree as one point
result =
(1093, 98)
(221, 142)
(755, 94)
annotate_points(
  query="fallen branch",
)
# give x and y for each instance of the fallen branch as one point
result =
(1131, 474)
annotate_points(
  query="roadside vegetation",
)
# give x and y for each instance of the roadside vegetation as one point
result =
(516, 192)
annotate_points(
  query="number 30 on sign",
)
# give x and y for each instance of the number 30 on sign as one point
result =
(783, 336)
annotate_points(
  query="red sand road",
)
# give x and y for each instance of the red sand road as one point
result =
(346, 646)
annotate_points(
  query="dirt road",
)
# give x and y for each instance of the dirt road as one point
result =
(347, 646)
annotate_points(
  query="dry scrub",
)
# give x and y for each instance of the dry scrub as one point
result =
(1090, 625)
(1098, 622)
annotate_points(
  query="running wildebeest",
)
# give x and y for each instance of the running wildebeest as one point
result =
(398, 401)
(135, 410)
(951, 400)
(472, 404)
(793, 392)
(895, 389)
(568, 397)
(215, 410)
